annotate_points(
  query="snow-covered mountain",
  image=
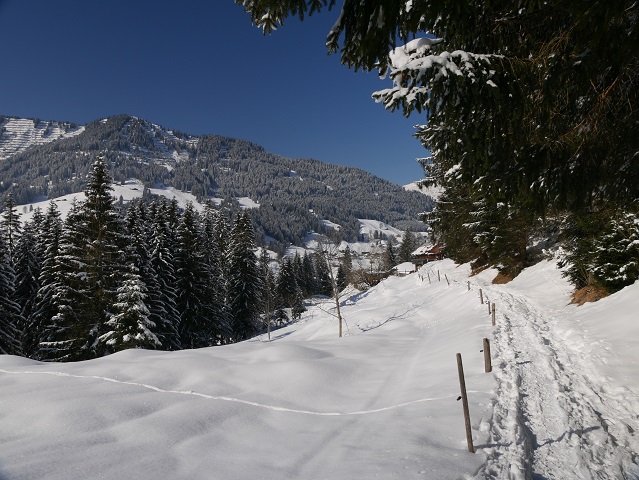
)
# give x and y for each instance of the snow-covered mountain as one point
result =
(433, 192)
(291, 197)
(19, 134)
(561, 401)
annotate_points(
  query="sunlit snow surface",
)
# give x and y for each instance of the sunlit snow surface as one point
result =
(378, 403)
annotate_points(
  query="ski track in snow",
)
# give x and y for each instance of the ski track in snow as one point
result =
(233, 399)
(549, 421)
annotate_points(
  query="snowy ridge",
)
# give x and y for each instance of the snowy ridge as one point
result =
(21, 133)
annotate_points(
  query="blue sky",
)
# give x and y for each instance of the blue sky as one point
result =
(199, 66)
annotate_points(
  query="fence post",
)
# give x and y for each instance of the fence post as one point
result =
(439, 279)
(481, 296)
(488, 366)
(469, 285)
(488, 302)
(428, 277)
(464, 398)
(493, 313)
(446, 277)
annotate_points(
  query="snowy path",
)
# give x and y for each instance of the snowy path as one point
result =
(551, 420)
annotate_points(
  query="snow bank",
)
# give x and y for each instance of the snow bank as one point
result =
(378, 403)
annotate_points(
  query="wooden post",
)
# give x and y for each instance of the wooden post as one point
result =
(488, 366)
(439, 279)
(469, 285)
(493, 313)
(464, 398)
(481, 296)
(428, 277)
(446, 276)
(488, 302)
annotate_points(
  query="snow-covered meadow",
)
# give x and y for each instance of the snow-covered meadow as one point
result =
(380, 402)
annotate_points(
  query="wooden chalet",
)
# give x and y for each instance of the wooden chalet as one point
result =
(427, 253)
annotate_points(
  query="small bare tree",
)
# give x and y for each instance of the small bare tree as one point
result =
(330, 254)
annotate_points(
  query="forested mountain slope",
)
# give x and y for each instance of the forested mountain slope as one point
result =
(295, 195)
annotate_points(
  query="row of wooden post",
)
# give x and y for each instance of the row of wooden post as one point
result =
(460, 367)
(487, 368)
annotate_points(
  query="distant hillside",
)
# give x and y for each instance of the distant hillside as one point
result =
(40, 160)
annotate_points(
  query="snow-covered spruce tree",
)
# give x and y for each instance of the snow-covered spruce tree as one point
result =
(103, 253)
(523, 102)
(244, 282)
(407, 247)
(602, 249)
(191, 278)
(10, 226)
(286, 286)
(307, 276)
(215, 311)
(268, 294)
(69, 334)
(616, 252)
(162, 301)
(322, 275)
(44, 308)
(390, 255)
(10, 318)
(129, 326)
(27, 268)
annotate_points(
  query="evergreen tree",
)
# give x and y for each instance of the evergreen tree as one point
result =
(244, 283)
(342, 283)
(347, 264)
(215, 285)
(191, 282)
(129, 326)
(286, 285)
(390, 256)
(407, 247)
(71, 333)
(44, 308)
(11, 227)
(162, 300)
(308, 277)
(322, 275)
(103, 253)
(27, 268)
(268, 293)
(10, 319)
(529, 106)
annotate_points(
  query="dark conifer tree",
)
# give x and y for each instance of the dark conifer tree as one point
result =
(408, 246)
(215, 311)
(191, 282)
(10, 319)
(244, 283)
(286, 285)
(309, 276)
(103, 254)
(322, 276)
(44, 308)
(162, 300)
(71, 333)
(10, 226)
(27, 267)
(268, 293)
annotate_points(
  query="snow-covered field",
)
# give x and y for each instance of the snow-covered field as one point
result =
(561, 402)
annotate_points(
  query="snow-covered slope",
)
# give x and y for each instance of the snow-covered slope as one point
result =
(18, 134)
(561, 402)
(433, 192)
(131, 189)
